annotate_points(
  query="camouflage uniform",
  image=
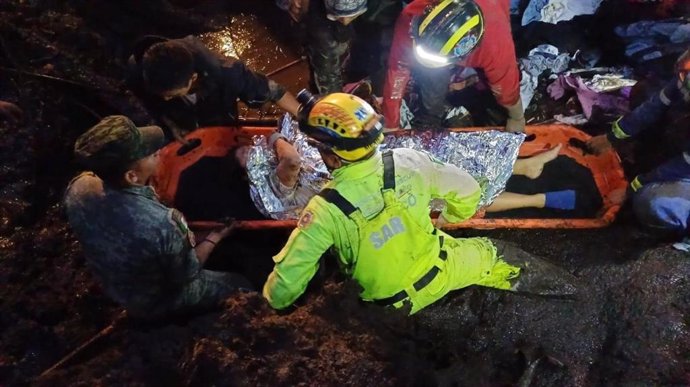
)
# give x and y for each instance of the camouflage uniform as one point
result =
(141, 250)
(329, 42)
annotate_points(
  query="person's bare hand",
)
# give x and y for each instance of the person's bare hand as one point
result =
(440, 221)
(221, 232)
(515, 125)
(598, 144)
(10, 112)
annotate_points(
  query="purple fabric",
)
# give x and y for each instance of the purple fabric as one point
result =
(614, 102)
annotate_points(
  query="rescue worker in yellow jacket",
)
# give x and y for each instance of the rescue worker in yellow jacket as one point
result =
(375, 215)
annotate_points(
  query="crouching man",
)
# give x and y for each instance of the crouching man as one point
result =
(660, 197)
(142, 251)
(375, 215)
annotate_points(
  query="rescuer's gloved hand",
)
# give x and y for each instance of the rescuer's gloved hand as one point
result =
(516, 118)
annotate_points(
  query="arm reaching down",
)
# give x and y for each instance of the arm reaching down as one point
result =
(452, 184)
(205, 246)
(289, 103)
(398, 72)
(298, 261)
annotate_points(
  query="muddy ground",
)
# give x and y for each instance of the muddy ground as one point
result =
(630, 325)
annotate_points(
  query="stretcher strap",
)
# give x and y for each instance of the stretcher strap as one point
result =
(388, 170)
(334, 197)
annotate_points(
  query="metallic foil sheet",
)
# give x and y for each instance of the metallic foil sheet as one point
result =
(602, 83)
(262, 161)
(486, 155)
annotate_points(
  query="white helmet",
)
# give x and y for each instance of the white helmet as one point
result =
(345, 8)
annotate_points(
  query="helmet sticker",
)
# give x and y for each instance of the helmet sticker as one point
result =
(361, 113)
(465, 45)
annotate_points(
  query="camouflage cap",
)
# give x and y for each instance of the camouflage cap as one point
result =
(116, 142)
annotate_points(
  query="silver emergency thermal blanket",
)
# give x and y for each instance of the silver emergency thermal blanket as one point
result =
(486, 155)
(262, 163)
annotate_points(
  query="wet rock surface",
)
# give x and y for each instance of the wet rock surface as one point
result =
(629, 326)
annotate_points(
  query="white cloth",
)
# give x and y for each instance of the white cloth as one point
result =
(553, 11)
(541, 58)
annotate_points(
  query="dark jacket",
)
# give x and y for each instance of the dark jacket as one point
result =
(643, 118)
(222, 82)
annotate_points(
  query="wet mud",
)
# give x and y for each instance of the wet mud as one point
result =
(629, 325)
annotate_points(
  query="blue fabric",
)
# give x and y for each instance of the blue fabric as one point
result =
(651, 111)
(664, 205)
(643, 118)
(561, 200)
(678, 168)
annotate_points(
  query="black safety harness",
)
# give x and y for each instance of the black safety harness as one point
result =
(334, 197)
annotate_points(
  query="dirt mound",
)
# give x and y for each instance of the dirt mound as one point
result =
(624, 329)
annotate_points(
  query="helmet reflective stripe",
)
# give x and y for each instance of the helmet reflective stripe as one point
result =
(447, 32)
(433, 14)
(460, 33)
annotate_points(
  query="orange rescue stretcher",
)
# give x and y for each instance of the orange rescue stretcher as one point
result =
(217, 141)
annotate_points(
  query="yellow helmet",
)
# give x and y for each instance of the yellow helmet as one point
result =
(343, 123)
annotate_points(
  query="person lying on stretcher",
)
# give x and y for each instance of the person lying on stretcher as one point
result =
(294, 176)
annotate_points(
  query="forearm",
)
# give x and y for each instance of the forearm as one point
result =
(516, 117)
(644, 115)
(289, 103)
(289, 162)
(398, 73)
(295, 265)
(298, 261)
(460, 191)
(461, 207)
(204, 247)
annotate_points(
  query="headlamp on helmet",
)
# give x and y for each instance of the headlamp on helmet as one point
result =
(428, 59)
(447, 31)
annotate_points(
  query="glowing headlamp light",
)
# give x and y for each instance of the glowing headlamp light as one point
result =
(428, 59)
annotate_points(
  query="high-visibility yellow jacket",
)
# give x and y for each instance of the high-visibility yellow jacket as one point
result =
(377, 220)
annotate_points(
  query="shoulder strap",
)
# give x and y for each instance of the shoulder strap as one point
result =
(388, 170)
(334, 197)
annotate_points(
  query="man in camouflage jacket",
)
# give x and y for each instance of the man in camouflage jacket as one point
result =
(142, 251)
